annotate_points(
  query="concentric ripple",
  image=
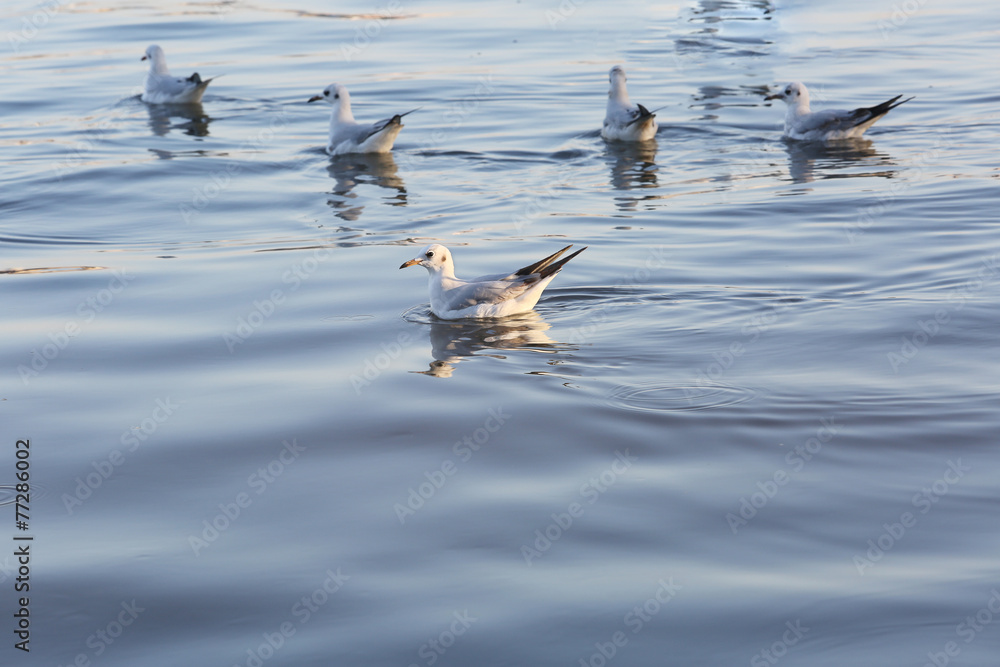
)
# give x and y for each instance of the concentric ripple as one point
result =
(666, 397)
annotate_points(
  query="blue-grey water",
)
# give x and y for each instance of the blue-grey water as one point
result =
(755, 423)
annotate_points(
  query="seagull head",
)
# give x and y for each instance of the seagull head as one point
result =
(617, 78)
(793, 94)
(335, 94)
(435, 258)
(157, 60)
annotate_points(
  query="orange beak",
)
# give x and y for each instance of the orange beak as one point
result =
(410, 263)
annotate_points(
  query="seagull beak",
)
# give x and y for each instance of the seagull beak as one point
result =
(314, 98)
(410, 263)
(776, 96)
(143, 58)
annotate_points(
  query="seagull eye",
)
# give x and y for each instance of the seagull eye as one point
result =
(430, 254)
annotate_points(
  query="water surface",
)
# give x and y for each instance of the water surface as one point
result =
(753, 422)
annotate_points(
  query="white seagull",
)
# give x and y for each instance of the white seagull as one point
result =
(162, 87)
(801, 123)
(486, 296)
(348, 135)
(625, 121)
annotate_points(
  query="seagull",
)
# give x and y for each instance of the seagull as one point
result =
(348, 135)
(486, 296)
(162, 87)
(625, 121)
(801, 123)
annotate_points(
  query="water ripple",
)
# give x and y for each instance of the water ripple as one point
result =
(668, 397)
(8, 493)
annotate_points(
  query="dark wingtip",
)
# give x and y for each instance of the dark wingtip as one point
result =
(398, 118)
(557, 266)
(898, 103)
(887, 106)
(644, 115)
(871, 114)
(542, 263)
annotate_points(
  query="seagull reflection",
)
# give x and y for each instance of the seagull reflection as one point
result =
(452, 341)
(633, 167)
(351, 170)
(194, 121)
(814, 160)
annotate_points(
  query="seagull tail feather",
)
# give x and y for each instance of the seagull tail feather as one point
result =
(554, 268)
(541, 264)
(880, 110)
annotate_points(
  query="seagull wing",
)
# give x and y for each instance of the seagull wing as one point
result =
(380, 125)
(537, 267)
(466, 294)
(640, 114)
(177, 88)
(823, 122)
(839, 120)
(547, 266)
(871, 114)
(500, 287)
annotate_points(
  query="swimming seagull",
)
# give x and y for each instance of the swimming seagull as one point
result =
(801, 123)
(625, 121)
(486, 296)
(162, 87)
(349, 136)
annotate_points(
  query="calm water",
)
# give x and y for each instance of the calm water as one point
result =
(754, 423)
